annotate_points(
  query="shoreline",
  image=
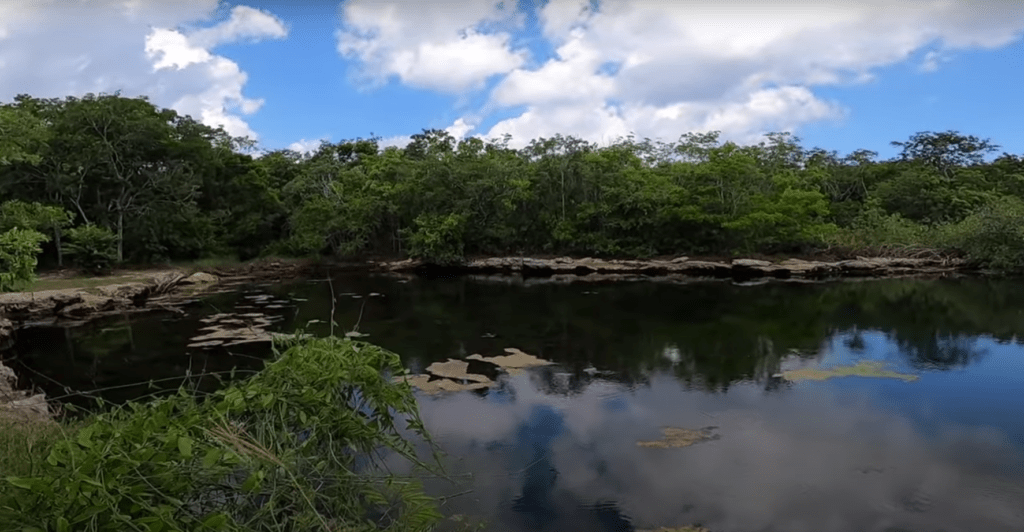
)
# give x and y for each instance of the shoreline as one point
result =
(737, 269)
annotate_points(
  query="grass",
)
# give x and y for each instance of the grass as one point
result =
(24, 444)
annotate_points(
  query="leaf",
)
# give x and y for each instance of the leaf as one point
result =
(185, 446)
(23, 483)
(85, 435)
(212, 457)
(216, 521)
(252, 483)
(63, 525)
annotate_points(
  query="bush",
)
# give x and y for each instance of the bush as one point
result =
(93, 247)
(19, 250)
(438, 239)
(993, 235)
(879, 234)
(278, 452)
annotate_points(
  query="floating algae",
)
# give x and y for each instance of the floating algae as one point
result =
(455, 370)
(677, 437)
(461, 375)
(515, 359)
(680, 529)
(861, 369)
(432, 385)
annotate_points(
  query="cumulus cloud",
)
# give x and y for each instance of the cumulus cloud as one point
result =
(138, 47)
(305, 146)
(660, 69)
(433, 45)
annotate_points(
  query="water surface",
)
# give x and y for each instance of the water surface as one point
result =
(556, 448)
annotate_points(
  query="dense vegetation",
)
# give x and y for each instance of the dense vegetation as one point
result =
(294, 448)
(151, 185)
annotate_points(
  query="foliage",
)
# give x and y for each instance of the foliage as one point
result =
(174, 189)
(292, 449)
(21, 135)
(94, 247)
(19, 250)
(36, 216)
(992, 235)
(438, 239)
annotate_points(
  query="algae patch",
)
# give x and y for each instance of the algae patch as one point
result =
(861, 369)
(680, 529)
(462, 375)
(675, 437)
(515, 359)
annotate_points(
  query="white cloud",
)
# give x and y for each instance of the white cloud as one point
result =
(306, 146)
(246, 23)
(398, 141)
(459, 128)
(660, 69)
(136, 46)
(429, 45)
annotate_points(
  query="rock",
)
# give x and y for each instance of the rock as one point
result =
(19, 403)
(678, 260)
(6, 334)
(750, 263)
(200, 278)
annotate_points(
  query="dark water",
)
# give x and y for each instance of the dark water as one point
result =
(555, 449)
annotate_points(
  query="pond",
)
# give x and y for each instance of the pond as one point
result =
(915, 421)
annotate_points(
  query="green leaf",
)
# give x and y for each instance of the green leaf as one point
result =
(23, 483)
(216, 521)
(212, 457)
(63, 525)
(185, 446)
(252, 483)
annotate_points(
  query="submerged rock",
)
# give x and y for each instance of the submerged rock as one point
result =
(678, 437)
(679, 529)
(432, 385)
(456, 370)
(861, 369)
(476, 372)
(515, 359)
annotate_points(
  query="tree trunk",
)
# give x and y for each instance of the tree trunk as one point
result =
(120, 236)
(60, 250)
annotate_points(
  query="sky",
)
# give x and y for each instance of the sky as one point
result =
(840, 75)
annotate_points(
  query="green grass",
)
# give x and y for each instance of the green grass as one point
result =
(24, 444)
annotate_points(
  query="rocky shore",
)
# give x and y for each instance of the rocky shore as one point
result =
(683, 266)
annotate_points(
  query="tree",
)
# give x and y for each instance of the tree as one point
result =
(122, 150)
(21, 135)
(945, 151)
(42, 218)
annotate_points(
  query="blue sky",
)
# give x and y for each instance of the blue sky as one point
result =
(852, 75)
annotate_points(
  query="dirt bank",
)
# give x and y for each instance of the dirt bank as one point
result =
(685, 267)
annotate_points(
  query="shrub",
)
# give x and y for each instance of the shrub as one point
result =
(438, 239)
(992, 235)
(94, 247)
(19, 250)
(278, 452)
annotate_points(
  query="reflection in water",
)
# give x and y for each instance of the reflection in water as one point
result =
(555, 448)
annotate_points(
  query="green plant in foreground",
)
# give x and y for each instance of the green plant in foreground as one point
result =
(290, 449)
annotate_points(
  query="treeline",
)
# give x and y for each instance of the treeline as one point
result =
(145, 184)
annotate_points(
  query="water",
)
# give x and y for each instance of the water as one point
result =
(555, 449)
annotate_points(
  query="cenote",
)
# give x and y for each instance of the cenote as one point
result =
(930, 438)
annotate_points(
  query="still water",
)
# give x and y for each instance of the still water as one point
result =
(555, 448)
